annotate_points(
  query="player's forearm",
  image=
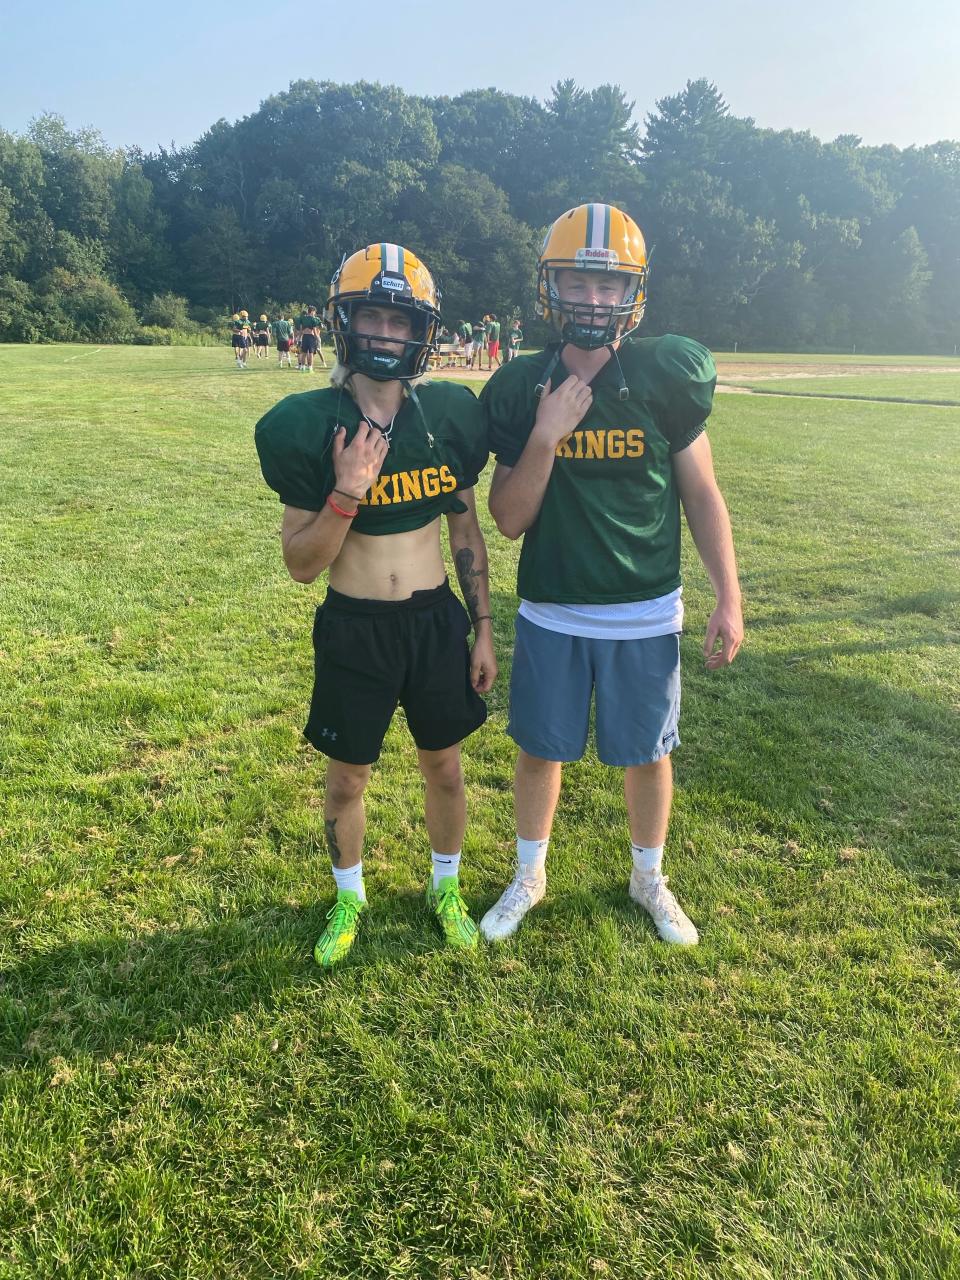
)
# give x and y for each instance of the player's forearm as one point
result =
(313, 548)
(469, 553)
(516, 498)
(709, 523)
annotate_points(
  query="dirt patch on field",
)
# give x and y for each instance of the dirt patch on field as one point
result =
(481, 375)
(741, 371)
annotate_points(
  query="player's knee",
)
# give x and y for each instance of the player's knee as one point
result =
(443, 771)
(345, 783)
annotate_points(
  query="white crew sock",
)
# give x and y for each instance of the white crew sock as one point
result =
(532, 857)
(350, 878)
(444, 864)
(648, 862)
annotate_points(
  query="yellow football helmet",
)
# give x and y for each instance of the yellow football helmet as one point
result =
(384, 275)
(263, 317)
(243, 315)
(593, 237)
(235, 316)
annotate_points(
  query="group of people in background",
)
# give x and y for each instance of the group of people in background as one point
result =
(303, 337)
(466, 346)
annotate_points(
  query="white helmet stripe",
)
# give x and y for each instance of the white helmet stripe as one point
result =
(391, 259)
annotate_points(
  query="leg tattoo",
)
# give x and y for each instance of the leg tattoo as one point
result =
(330, 831)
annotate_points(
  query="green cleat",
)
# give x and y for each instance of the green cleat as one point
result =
(337, 938)
(451, 911)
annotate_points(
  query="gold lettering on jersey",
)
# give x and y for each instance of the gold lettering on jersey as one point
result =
(613, 442)
(410, 486)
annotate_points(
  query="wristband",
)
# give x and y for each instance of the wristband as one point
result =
(347, 515)
(484, 617)
(352, 496)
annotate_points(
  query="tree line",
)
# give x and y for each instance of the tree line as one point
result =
(767, 238)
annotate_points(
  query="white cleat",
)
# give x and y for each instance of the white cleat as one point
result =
(673, 925)
(503, 918)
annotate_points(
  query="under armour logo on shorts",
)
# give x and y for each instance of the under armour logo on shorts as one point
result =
(328, 733)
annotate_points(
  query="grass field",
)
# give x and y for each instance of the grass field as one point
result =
(183, 1094)
(841, 361)
(924, 388)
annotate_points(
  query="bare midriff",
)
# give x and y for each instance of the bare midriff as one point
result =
(389, 567)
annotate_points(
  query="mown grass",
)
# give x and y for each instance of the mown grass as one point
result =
(183, 1094)
(919, 388)
(815, 358)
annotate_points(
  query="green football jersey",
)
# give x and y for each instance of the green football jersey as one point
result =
(608, 530)
(282, 330)
(515, 338)
(493, 331)
(432, 454)
(307, 321)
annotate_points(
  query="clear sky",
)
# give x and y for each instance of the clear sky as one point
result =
(156, 73)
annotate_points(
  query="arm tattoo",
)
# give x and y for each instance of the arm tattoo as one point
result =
(330, 831)
(467, 576)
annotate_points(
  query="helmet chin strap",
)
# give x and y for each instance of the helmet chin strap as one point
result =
(623, 390)
(548, 372)
(411, 394)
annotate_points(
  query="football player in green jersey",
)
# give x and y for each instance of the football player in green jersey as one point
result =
(365, 468)
(282, 330)
(262, 336)
(492, 336)
(514, 342)
(598, 444)
(237, 329)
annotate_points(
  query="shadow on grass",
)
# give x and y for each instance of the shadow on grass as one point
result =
(104, 996)
(781, 742)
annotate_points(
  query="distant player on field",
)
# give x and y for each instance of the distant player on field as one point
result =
(236, 338)
(262, 336)
(493, 341)
(479, 338)
(514, 341)
(308, 327)
(282, 331)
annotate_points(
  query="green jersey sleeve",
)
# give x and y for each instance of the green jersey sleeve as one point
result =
(691, 377)
(509, 404)
(468, 436)
(297, 467)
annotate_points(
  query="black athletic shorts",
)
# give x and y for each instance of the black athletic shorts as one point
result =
(283, 344)
(237, 340)
(262, 340)
(371, 655)
(308, 343)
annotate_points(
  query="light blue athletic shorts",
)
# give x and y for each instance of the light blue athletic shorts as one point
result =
(637, 684)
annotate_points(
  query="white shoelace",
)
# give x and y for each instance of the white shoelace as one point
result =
(517, 894)
(661, 899)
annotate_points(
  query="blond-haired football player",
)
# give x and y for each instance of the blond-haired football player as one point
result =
(365, 469)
